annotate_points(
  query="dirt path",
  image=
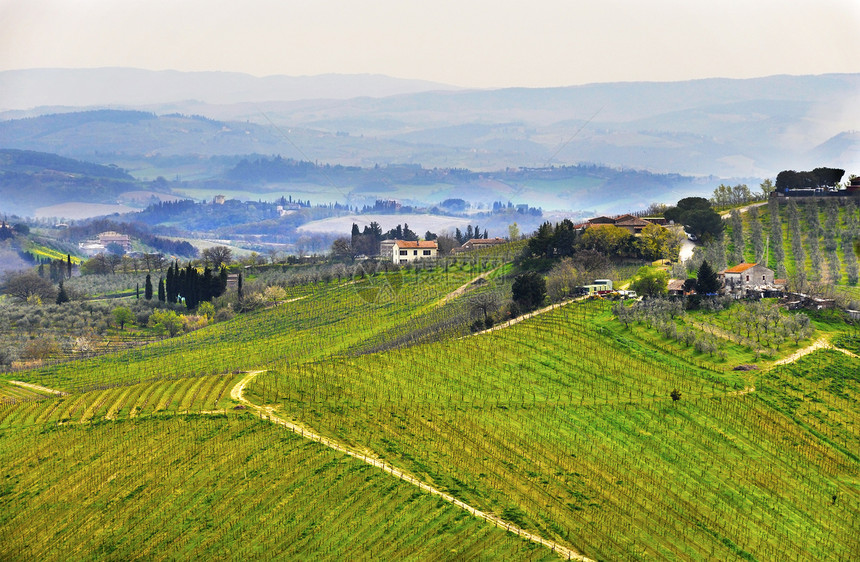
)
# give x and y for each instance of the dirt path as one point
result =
(727, 214)
(38, 388)
(821, 343)
(267, 412)
(464, 287)
(532, 314)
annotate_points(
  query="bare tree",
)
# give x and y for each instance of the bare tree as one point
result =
(217, 256)
(25, 285)
(484, 303)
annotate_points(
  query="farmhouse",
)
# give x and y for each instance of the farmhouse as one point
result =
(406, 251)
(631, 223)
(747, 276)
(110, 237)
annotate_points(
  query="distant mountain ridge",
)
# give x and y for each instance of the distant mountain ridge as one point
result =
(27, 89)
(716, 126)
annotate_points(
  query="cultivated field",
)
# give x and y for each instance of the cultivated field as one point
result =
(560, 426)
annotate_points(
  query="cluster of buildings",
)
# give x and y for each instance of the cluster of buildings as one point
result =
(99, 244)
(744, 279)
(405, 251)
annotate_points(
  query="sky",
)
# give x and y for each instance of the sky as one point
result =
(476, 44)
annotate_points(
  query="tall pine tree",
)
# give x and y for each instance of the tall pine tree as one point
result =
(162, 296)
(147, 288)
(706, 280)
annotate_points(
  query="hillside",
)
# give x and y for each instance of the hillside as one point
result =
(32, 180)
(731, 128)
(561, 426)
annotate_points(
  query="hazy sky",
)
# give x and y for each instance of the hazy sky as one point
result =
(467, 43)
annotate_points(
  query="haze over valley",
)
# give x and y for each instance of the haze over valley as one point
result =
(467, 280)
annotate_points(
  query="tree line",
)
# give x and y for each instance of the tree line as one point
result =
(819, 177)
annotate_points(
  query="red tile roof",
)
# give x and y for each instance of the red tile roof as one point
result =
(418, 245)
(740, 268)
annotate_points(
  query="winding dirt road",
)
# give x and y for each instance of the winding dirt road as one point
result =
(267, 412)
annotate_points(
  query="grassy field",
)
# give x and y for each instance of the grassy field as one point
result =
(561, 424)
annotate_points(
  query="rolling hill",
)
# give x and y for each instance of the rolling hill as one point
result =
(734, 128)
(561, 427)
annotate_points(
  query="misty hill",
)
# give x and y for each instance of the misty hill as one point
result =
(32, 180)
(723, 127)
(26, 89)
(24, 161)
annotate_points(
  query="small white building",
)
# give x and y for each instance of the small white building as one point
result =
(406, 251)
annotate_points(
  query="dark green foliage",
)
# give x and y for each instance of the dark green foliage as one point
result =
(147, 288)
(697, 216)
(162, 295)
(529, 291)
(62, 296)
(706, 280)
(553, 241)
(819, 177)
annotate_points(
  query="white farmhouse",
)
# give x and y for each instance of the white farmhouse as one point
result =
(406, 251)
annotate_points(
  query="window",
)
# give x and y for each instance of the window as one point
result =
(763, 278)
(404, 252)
(414, 252)
(426, 252)
(403, 261)
(748, 277)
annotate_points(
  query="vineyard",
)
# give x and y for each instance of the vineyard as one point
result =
(574, 435)
(612, 441)
(804, 240)
(207, 487)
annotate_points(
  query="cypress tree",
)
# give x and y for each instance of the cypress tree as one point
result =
(137, 291)
(207, 286)
(69, 264)
(171, 285)
(191, 287)
(147, 288)
(62, 296)
(162, 296)
(239, 287)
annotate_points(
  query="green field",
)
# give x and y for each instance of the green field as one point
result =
(561, 425)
